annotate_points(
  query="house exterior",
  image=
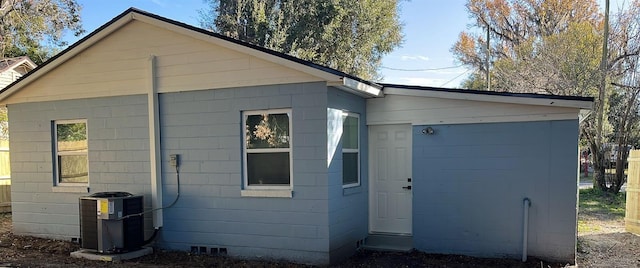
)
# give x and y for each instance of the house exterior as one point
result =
(13, 68)
(10, 70)
(282, 158)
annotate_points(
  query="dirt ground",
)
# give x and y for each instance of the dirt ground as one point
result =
(609, 246)
(606, 243)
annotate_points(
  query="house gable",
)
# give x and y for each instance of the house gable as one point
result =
(118, 65)
(14, 68)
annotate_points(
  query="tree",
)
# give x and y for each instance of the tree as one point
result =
(555, 47)
(624, 69)
(522, 33)
(36, 27)
(351, 36)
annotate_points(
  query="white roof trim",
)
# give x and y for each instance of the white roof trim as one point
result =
(134, 15)
(233, 46)
(29, 62)
(62, 58)
(358, 88)
(489, 98)
(25, 60)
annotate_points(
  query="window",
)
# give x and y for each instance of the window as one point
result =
(351, 150)
(267, 149)
(71, 152)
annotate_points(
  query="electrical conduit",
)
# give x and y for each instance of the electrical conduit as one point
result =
(525, 227)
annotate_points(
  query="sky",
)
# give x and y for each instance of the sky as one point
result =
(431, 27)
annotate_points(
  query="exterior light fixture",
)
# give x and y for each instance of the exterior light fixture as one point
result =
(428, 131)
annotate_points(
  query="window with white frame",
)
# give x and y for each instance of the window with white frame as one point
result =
(71, 152)
(267, 149)
(351, 150)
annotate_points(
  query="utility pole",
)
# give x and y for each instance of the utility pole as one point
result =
(599, 155)
(603, 72)
(487, 60)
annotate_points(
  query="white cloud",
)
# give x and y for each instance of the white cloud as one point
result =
(456, 71)
(160, 3)
(416, 81)
(414, 57)
(423, 81)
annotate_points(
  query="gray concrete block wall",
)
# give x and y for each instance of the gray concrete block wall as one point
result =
(118, 159)
(470, 181)
(348, 208)
(204, 127)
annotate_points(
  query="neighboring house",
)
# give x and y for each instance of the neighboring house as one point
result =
(283, 158)
(13, 68)
(10, 70)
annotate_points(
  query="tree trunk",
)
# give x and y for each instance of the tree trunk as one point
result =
(621, 160)
(599, 165)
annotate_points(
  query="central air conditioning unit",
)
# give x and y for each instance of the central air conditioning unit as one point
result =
(111, 222)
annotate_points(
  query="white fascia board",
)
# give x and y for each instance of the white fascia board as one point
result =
(62, 58)
(28, 62)
(25, 61)
(490, 98)
(237, 47)
(358, 88)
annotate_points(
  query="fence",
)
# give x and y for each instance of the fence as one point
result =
(5, 177)
(632, 217)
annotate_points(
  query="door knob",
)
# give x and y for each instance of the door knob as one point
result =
(407, 187)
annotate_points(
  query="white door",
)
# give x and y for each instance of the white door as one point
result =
(390, 195)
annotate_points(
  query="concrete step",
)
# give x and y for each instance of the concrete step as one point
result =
(389, 242)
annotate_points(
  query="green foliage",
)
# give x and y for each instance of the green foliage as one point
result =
(597, 201)
(556, 47)
(35, 27)
(351, 36)
(72, 132)
(549, 46)
(618, 100)
(476, 81)
(565, 63)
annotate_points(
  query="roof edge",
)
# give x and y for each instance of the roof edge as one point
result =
(137, 14)
(492, 96)
(254, 47)
(65, 55)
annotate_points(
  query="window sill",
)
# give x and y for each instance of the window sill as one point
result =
(356, 189)
(267, 193)
(70, 189)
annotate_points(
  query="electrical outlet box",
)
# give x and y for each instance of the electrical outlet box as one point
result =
(174, 160)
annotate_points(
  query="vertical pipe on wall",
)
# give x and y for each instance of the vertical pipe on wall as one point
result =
(525, 227)
(155, 159)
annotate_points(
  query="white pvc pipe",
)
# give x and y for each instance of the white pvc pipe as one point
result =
(154, 144)
(525, 227)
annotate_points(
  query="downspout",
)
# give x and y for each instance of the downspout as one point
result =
(525, 227)
(155, 159)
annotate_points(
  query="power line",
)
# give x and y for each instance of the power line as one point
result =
(420, 70)
(455, 78)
